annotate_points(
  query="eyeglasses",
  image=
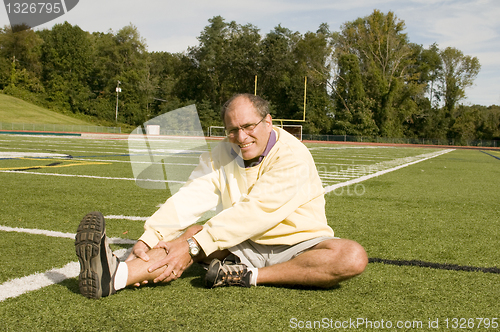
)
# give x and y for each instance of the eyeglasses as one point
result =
(247, 129)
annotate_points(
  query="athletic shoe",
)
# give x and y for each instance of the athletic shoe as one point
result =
(98, 264)
(220, 274)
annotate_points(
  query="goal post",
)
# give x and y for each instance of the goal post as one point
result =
(216, 131)
(295, 130)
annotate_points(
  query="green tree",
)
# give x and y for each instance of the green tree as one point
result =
(458, 73)
(429, 64)
(20, 59)
(476, 122)
(164, 71)
(287, 59)
(311, 55)
(385, 58)
(430, 122)
(224, 63)
(489, 128)
(122, 57)
(67, 59)
(353, 115)
(465, 121)
(277, 70)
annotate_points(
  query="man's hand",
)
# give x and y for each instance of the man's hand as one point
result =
(139, 250)
(178, 258)
(177, 261)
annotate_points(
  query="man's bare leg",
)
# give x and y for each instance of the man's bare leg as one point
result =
(142, 258)
(138, 269)
(325, 265)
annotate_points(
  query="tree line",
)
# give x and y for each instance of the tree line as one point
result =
(367, 79)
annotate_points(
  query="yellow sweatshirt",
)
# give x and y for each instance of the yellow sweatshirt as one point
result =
(279, 201)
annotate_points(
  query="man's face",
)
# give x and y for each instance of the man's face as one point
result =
(241, 114)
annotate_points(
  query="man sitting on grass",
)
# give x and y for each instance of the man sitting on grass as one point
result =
(271, 227)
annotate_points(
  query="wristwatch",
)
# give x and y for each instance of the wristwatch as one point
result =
(194, 249)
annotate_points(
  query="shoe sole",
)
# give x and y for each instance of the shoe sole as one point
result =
(88, 243)
(212, 273)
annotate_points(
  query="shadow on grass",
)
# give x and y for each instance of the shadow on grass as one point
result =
(71, 284)
(196, 273)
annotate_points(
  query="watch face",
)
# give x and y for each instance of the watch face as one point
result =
(193, 248)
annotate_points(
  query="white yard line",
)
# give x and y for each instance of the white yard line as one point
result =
(15, 155)
(121, 217)
(80, 151)
(19, 286)
(411, 161)
(349, 147)
(131, 162)
(112, 240)
(93, 177)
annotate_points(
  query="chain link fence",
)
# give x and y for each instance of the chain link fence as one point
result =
(424, 141)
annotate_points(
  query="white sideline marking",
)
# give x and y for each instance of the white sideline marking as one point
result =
(126, 217)
(19, 286)
(135, 162)
(348, 147)
(111, 240)
(12, 155)
(94, 177)
(421, 157)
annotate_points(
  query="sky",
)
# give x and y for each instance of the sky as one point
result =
(472, 26)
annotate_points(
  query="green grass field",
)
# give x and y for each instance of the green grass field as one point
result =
(443, 210)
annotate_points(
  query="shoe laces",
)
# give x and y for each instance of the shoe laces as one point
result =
(233, 274)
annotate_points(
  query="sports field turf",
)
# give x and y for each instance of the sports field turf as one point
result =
(428, 218)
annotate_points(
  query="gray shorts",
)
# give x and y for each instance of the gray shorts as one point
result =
(258, 255)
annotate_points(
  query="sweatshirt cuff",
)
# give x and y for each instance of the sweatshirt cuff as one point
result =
(150, 238)
(206, 241)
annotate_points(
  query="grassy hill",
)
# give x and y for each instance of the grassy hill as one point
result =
(14, 110)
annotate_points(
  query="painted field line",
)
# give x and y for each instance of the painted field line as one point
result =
(370, 176)
(92, 177)
(136, 162)
(111, 240)
(19, 286)
(121, 217)
(80, 151)
(15, 155)
(349, 147)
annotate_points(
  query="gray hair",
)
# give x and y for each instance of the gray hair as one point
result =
(260, 105)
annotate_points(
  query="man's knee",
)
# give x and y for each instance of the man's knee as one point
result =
(349, 253)
(359, 258)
